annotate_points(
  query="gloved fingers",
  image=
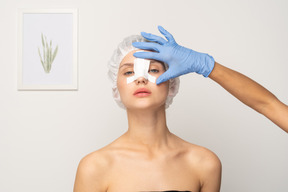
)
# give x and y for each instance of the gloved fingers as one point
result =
(168, 35)
(154, 38)
(147, 46)
(165, 77)
(147, 55)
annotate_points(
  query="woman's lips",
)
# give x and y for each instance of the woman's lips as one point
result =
(142, 92)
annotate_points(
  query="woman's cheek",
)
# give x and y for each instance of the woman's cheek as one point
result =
(123, 87)
(120, 84)
(165, 87)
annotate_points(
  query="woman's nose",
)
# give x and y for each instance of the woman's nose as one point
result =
(140, 80)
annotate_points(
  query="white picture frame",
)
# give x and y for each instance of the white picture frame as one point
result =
(47, 49)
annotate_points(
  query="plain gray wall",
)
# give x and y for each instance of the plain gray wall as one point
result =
(44, 134)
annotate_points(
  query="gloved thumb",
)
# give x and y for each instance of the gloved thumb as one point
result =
(164, 77)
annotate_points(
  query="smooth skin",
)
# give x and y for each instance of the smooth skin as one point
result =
(251, 94)
(148, 157)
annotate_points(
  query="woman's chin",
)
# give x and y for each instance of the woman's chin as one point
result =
(145, 106)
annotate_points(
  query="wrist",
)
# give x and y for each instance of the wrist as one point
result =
(217, 73)
(209, 63)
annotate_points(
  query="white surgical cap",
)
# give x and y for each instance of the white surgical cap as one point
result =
(113, 65)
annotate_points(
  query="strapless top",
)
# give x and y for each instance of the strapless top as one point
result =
(176, 191)
(167, 191)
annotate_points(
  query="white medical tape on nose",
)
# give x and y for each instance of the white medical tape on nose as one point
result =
(141, 69)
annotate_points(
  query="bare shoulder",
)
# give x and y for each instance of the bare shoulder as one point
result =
(198, 155)
(96, 160)
(92, 172)
(203, 160)
(207, 165)
(203, 156)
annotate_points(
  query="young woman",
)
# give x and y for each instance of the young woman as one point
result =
(148, 157)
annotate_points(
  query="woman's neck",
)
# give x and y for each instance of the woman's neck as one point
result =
(147, 128)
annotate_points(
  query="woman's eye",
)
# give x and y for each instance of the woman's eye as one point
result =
(154, 71)
(129, 73)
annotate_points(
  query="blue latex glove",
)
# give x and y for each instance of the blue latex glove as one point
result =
(180, 60)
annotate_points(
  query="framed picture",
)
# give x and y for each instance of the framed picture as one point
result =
(47, 49)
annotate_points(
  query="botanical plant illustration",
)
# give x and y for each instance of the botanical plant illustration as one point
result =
(48, 57)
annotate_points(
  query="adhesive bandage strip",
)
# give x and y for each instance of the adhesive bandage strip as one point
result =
(141, 69)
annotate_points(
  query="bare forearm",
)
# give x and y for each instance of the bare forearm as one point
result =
(252, 94)
(243, 88)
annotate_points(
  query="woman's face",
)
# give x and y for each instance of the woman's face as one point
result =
(141, 93)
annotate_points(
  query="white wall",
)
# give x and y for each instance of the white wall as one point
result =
(44, 134)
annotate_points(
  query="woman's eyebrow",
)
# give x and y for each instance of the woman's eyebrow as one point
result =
(154, 61)
(157, 62)
(151, 62)
(127, 64)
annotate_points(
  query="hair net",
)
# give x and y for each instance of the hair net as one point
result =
(113, 65)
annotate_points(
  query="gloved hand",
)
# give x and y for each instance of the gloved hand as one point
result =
(180, 60)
